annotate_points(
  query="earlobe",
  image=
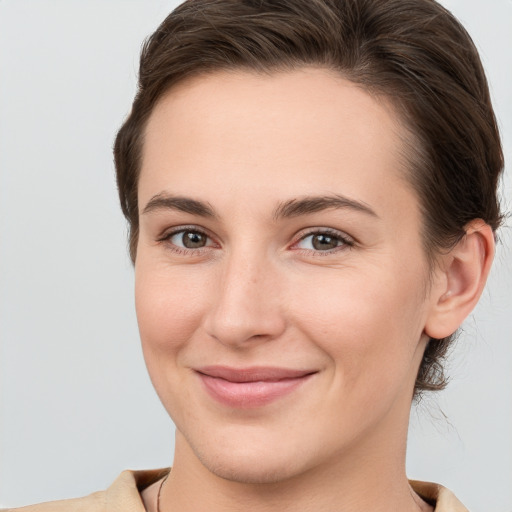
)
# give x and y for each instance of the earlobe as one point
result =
(462, 274)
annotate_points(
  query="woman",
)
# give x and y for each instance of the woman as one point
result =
(311, 193)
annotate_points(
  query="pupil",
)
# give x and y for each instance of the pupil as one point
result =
(193, 240)
(324, 242)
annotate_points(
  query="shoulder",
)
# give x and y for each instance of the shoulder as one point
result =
(92, 503)
(443, 498)
(122, 496)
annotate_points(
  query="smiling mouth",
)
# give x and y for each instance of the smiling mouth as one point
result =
(250, 387)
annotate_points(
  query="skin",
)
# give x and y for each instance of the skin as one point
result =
(261, 293)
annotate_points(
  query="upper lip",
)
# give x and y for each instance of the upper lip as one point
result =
(253, 373)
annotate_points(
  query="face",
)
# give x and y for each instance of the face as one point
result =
(280, 278)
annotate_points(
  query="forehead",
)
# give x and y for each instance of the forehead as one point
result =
(299, 129)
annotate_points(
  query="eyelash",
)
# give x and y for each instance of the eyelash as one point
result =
(166, 239)
(345, 241)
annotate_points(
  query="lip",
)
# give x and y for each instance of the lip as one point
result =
(251, 387)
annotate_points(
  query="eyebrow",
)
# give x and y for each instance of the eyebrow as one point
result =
(165, 201)
(291, 208)
(312, 204)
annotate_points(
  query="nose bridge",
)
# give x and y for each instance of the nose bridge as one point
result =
(246, 304)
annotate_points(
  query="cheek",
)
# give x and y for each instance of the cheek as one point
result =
(369, 324)
(169, 309)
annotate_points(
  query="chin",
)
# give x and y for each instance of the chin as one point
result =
(250, 462)
(256, 473)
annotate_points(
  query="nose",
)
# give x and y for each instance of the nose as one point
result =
(246, 308)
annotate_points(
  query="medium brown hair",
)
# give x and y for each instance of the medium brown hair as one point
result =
(412, 52)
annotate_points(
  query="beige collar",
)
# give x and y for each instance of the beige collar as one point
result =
(444, 499)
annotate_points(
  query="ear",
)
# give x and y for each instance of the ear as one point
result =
(460, 280)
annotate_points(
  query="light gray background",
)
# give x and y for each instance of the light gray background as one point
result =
(76, 405)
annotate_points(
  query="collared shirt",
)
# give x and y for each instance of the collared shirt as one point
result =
(124, 496)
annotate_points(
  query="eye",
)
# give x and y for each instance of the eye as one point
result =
(189, 239)
(323, 241)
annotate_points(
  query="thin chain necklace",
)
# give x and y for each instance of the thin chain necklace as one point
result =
(159, 491)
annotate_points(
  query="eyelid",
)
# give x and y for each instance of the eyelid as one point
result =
(170, 232)
(346, 240)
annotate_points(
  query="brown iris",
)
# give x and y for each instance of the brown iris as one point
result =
(193, 239)
(324, 242)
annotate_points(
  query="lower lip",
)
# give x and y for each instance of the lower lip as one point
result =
(250, 394)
